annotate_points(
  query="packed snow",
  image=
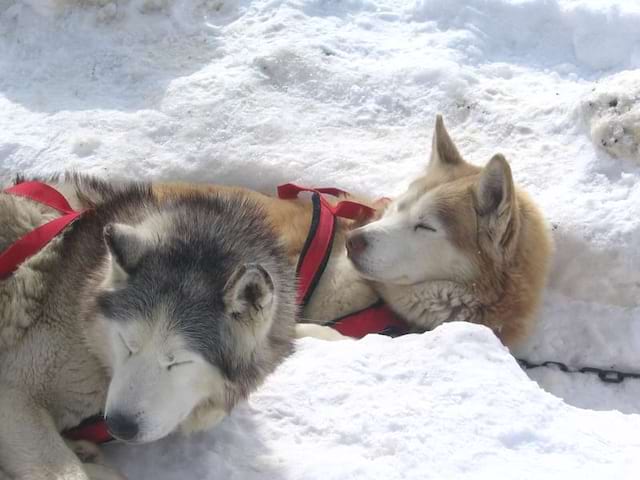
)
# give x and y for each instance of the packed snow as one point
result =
(344, 92)
(449, 405)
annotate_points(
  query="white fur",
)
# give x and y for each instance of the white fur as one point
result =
(398, 252)
(341, 290)
(320, 332)
(161, 381)
(429, 304)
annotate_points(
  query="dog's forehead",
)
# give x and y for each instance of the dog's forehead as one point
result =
(420, 192)
(192, 273)
(417, 203)
(172, 340)
(449, 204)
(155, 323)
(435, 177)
(165, 299)
(164, 330)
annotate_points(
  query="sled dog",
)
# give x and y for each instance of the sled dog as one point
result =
(160, 314)
(462, 243)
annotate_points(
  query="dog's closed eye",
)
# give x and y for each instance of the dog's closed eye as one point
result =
(126, 346)
(177, 364)
(424, 226)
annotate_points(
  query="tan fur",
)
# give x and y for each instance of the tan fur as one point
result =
(511, 293)
(506, 248)
(506, 288)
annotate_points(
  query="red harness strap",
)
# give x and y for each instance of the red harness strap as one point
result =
(33, 241)
(318, 245)
(93, 429)
(377, 318)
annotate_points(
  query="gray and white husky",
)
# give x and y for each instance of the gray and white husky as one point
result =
(160, 314)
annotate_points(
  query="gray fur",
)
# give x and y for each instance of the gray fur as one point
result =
(54, 368)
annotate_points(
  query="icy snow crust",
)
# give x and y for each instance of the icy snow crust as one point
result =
(344, 92)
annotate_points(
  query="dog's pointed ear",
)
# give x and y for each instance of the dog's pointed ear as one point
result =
(497, 201)
(126, 246)
(249, 292)
(443, 151)
(496, 191)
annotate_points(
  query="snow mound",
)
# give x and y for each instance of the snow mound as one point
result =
(447, 404)
(612, 113)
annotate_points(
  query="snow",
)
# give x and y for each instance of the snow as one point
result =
(344, 92)
(451, 404)
(612, 113)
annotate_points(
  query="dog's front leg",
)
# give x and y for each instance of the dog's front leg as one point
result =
(32, 449)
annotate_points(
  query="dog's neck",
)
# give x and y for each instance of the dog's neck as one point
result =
(424, 306)
(428, 304)
(341, 291)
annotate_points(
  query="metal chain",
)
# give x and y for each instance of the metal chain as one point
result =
(607, 376)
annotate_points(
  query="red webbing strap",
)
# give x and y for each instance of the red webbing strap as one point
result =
(375, 319)
(344, 209)
(316, 252)
(43, 193)
(95, 429)
(288, 191)
(33, 241)
(92, 430)
(378, 318)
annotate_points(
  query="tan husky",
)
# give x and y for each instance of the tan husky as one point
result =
(462, 243)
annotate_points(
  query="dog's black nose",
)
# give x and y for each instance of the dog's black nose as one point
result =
(356, 244)
(122, 426)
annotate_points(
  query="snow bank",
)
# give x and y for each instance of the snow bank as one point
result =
(447, 404)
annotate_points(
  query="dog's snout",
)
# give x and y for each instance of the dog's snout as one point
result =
(356, 244)
(122, 426)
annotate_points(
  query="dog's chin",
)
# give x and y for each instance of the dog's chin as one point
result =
(378, 275)
(148, 437)
(134, 441)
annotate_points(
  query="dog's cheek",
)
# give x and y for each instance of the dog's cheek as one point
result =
(203, 417)
(209, 385)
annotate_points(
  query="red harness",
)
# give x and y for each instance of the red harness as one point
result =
(36, 239)
(377, 318)
(93, 429)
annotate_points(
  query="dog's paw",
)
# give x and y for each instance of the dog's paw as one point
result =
(100, 472)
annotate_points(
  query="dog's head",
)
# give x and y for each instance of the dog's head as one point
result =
(198, 306)
(451, 224)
